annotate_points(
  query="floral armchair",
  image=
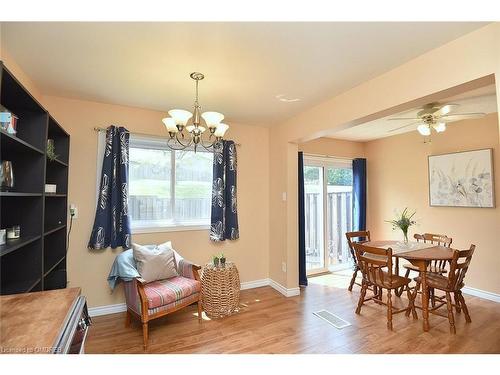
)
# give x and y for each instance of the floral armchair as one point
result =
(149, 301)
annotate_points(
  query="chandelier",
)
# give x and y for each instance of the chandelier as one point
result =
(183, 136)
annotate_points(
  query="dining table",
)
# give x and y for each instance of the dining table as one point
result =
(420, 254)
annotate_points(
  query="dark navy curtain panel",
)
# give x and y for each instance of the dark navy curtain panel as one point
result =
(112, 223)
(359, 191)
(224, 215)
(302, 224)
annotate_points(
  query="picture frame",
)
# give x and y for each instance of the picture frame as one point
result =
(462, 179)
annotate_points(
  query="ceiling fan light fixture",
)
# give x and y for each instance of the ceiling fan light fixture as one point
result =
(439, 127)
(424, 129)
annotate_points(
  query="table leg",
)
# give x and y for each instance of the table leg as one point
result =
(399, 291)
(425, 298)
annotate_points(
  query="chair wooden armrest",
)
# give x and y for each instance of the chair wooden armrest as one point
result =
(196, 274)
(144, 300)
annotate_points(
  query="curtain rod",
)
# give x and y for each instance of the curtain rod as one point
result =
(99, 129)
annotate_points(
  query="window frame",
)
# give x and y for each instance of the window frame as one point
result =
(326, 162)
(160, 143)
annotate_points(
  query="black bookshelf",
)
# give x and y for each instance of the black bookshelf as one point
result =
(37, 260)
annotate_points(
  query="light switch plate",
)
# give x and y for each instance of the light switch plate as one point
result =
(283, 266)
(283, 196)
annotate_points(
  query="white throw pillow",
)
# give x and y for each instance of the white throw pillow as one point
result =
(155, 262)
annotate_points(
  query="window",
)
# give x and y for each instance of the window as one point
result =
(168, 189)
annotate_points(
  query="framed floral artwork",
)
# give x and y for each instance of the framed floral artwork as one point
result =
(462, 179)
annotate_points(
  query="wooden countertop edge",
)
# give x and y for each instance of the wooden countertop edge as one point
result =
(31, 322)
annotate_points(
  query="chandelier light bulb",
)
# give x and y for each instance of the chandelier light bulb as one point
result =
(212, 119)
(180, 116)
(439, 127)
(221, 130)
(424, 129)
(170, 124)
(195, 130)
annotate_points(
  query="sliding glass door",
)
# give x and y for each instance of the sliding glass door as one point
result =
(314, 205)
(328, 213)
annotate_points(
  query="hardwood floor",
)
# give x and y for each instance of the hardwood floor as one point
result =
(271, 323)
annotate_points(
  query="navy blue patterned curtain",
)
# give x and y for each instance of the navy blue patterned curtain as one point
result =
(112, 223)
(224, 215)
(359, 194)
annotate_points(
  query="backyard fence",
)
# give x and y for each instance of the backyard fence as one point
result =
(147, 208)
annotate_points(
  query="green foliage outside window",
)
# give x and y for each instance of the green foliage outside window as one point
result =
(335, 176)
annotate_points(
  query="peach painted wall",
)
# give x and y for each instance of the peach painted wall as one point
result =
(334, 147)
(89, 269)
(398, 177)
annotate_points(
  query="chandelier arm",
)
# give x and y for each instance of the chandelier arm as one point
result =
(182, 145)
(172, 147)
(206, 146)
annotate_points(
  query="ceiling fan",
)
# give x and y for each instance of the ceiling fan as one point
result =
(435, 116)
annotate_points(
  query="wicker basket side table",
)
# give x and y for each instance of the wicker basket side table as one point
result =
(220, 290)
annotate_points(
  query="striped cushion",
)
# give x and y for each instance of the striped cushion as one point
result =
(173, 306)
(164, 292)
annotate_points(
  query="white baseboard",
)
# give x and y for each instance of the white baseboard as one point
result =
(254, 284)
(121, 307)
(107, 309)
(481, 294)
(287, 292)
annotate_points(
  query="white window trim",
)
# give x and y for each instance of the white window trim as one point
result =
(172, 228)
(155, 142)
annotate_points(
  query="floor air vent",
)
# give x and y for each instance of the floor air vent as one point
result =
(333, 319)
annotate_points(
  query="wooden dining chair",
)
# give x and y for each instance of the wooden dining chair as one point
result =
(375, 265)
(453, 283)
(352, 238)
(437, 266)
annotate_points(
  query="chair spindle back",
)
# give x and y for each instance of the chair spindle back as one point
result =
(375, 264)
(459, 266)
(362, 236)
(438, 240)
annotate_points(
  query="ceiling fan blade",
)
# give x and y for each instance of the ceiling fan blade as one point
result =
(445, 109)
(405, 126)
(461, 116)
(403, 118)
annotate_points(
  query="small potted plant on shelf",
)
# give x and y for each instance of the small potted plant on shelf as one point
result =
(51, 150)
(222, 259)
(215, 260)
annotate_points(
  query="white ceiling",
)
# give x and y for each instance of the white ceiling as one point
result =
(479, 100)
(248, 66)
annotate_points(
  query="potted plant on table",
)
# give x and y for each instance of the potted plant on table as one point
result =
(403, 221)
(222, 260)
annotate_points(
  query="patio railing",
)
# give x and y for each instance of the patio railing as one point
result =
(339, 221)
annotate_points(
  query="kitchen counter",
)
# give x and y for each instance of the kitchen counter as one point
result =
(33, 322)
